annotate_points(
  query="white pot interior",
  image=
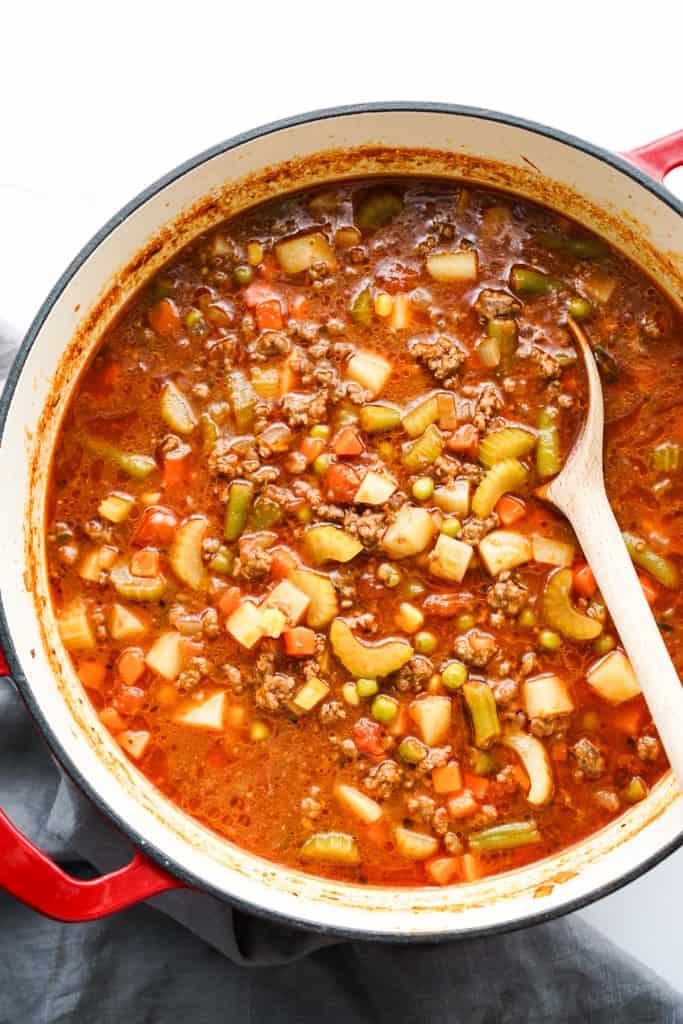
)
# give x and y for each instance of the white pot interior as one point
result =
(605, 198)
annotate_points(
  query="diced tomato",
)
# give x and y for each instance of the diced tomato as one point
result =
(368, 737)
(444, 606)
(297, 307)
(145, 563)
(341, 482)
(447, 778)
(131, 665)
(464, 439)
(347, 443)
(157, 526)
(164, 317)
(269, 315)
(129, 699)
(559, 752)
(649, 589)
(583, 580)
(510, 509)
(462, 805)
(299, 642)
(478, 785)
(112, 719)
(176, 467)
(91, 674)
(229, 601)
(260, 292)
(377, 833)
(311, 448)
(283, 563)
(443, 870)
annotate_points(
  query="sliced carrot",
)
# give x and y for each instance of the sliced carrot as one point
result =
(347, 443)
(131, 665)
(478, 785)
(112, 719)
(311, 448)
(145, 563)
(510, 509)
(91, 674)
(269, 315)
(176, 468)
(583, 580)
(299, 642)
(462, 805)
(257, 292)
(464, 439)
(447, 778)
(649, 589)
(229, 601)
(157, 526)
(377, 833)
(164, 317)
(443, 870)
(342, 482)
(283, 563)
(448, 414)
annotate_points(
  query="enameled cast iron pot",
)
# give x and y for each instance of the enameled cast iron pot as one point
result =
(620, 198)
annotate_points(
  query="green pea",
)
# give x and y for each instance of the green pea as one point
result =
(451, 527)
(242, 274)
(412, 588)
(423, 488)
(579, 308)
(549, 640)
(321, 431)
(322, 464)
(194, 319)
(464, 622)
(604, 644)
(367, 687)
(454, 675)
(527, 618)
(304, 513)
(425, 642)
(389, 574)
(412, 750)
(384, 709)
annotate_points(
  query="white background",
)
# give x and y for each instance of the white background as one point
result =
(98, 100)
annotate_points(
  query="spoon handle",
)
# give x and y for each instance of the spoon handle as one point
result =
(598, 532)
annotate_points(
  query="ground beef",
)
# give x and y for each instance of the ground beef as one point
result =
(96, 530)
(548, 365)
(233, 457)
(382, 779)
(648, 748)
(425, 809)
(210, 624)
(446, 470)
(453, 844)
(414, 675)
(268, 345)
(475, 529)
(489, 402)
(311, 807)
(275, 692)
(197, 669)
(608, 799)
(527, 664)
(472, 472)
(233, 677)
(253, 563)
(332, 711)
(436, 757)
(493, 304)
(588, 758)
(365, 621)
(542, 727)
(322, 508)
(507, 596)
(475, 648)
(304, 410)
(368, 526)
(505, 690)
(442, 356)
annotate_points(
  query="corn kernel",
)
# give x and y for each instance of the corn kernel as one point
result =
(383, 304)
(254, 254)
(350, 694)
(408, 617)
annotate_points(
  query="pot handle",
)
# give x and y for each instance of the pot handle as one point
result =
(659, 157)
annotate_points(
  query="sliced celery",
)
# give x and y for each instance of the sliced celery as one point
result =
(424, 450)
(548, 458)
(242, 400)
(508, 836)
(367, 660)
(560, 613)
(506, 443)
(505, 476)
(481, 705)
(237, 509)
(660, 568)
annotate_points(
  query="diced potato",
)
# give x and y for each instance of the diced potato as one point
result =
(369, 369)
(74, 626)
(310, 694)
(454, 499)
(273, 622)
(504, 549)
(185, 553)
(450, 558)
(331, 544)
(176, 409)
(453, 266)
(365, 660)
(244, 625)
(298, 254)
(536, 762)
(613, 678)
(375, 489)
(96, 561)
(433, 717)
(290, 600)
(415, 845)
(116, 507)
(134, 742)
(207, 714)
(165, 656)
(362, 806)
(552, 552)
(546, 696)
(319, 588)
(125, 624)
(410, 533)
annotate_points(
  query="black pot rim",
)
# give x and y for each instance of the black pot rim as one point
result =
(6, 643)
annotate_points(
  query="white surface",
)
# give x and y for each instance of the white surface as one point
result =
(92, 113)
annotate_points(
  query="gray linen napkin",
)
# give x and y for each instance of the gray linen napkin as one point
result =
(188, 953)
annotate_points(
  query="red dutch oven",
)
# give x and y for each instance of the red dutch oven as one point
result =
(621, 197)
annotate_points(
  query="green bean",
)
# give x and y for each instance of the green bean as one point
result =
(377, 208)
(584, 247)
(237, 510)
(137, 466)
(242, 400)
(482, 707)
(527, 281)
(505, 837)
(266, 513)
(660, 568)
(667, 457)
(548, 458)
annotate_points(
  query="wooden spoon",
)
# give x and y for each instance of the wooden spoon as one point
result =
(579, 493)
